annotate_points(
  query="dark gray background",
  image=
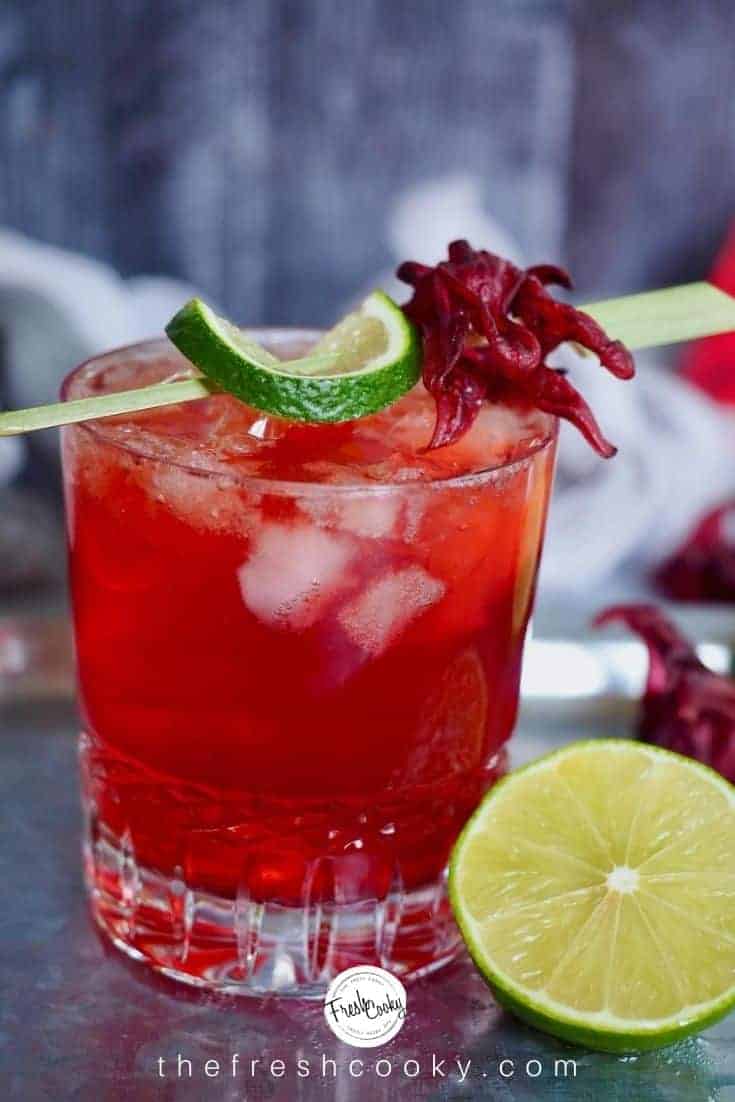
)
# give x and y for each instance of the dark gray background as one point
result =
(254, 147)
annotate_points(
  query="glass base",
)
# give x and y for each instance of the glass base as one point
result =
(245, 947)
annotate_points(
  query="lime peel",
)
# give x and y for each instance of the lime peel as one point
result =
(345, 376)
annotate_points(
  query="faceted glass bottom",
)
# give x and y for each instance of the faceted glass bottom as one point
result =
(242, 914)
(242, 947)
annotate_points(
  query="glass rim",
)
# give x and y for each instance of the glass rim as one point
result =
(290, 487)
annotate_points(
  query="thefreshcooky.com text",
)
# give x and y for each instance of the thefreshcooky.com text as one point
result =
(428, 1065)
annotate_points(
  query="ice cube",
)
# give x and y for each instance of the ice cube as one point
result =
(416, 506)
(381, 612)
(294, 572)
(370, 515)
(206, 500)
(87, 464)
(500, 434)
(366, 514)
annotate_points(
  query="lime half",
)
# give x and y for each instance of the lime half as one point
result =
(595, 889)
(365, 363)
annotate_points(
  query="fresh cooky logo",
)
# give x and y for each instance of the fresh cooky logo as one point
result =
(365, 1006)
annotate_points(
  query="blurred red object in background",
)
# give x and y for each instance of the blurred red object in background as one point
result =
(703, 567)
(710, 362)
(686, 707)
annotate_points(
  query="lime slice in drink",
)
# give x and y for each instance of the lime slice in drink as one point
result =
(595, 889)
(366, 362)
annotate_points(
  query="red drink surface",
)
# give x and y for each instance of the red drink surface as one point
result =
(296, 642)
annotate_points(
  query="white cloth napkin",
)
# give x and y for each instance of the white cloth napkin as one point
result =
(674, 462)
(58, 307)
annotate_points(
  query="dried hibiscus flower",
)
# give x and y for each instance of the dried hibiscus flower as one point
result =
(487, 327)
(703, 568)
(686, 706)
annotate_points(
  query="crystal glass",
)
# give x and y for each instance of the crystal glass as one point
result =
(295, 684)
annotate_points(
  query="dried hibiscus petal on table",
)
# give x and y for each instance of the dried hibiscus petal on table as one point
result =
(703, 568)
(487, 327)
(686, 707)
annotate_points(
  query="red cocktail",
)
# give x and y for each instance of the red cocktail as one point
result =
(299, 650)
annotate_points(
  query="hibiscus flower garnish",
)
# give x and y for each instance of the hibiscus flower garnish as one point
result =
(487, 328)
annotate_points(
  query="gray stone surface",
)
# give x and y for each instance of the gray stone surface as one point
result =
(80, 1023)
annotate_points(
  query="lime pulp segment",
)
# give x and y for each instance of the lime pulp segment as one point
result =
(595, 889)
(369, 360)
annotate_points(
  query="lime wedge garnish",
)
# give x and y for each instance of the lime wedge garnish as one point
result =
(595, 889)
(366, 362)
